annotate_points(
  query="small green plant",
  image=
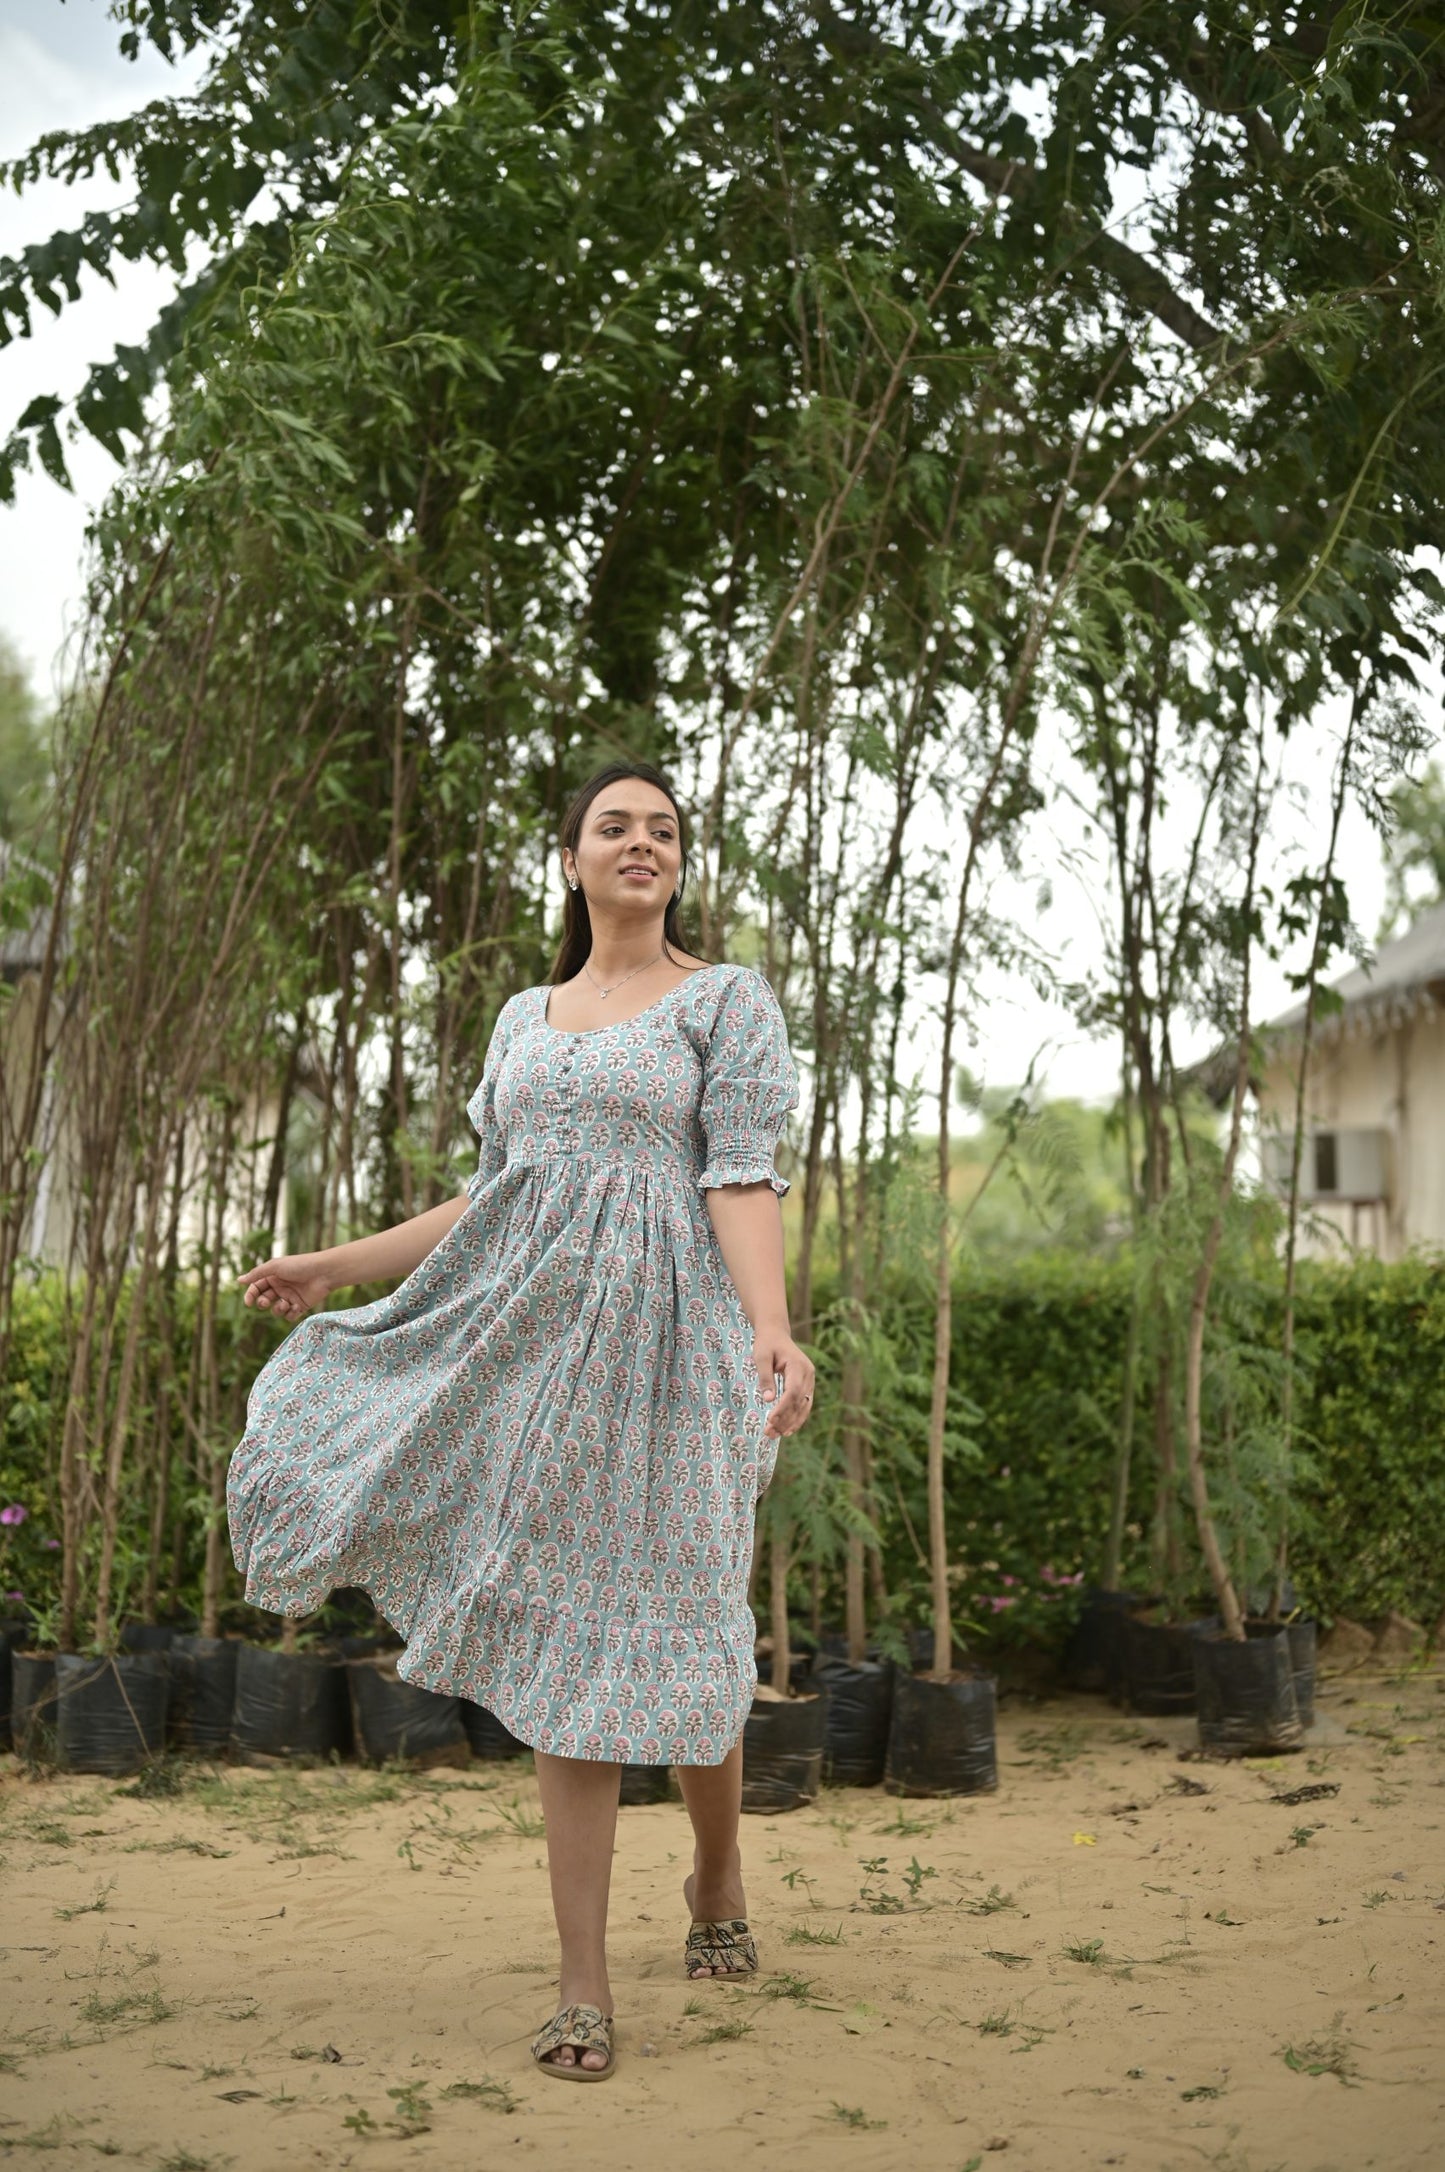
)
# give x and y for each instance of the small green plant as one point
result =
(52, 1835)
(129, 2009)
(727, 2032)
(1088, 1950)
(792, 1879)
(525, 1823)
(799, 1988)
(852, 2115)
(494, 2096)
(1055, 1746)
(914, 1876)
(1375, 1900)
(804, 1934)
(1205, 2089)
(692, 2008)
(990, 1903)
(161, 1779)
(413, 2113)
(872, 1896)
(361, 2122)
(95, 1906)
(906, 1827)
(1323, 2055)
(181, 2160)
(1302, 1835)
(998, 2024)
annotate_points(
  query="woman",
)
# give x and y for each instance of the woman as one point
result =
(542, 1454)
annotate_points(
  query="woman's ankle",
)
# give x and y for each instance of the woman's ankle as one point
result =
(585, 1984)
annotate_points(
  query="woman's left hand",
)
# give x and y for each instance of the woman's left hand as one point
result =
(778, 1353)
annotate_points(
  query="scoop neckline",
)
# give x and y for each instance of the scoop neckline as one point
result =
(585, 1033)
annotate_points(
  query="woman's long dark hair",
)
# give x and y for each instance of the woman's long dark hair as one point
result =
(576, 944)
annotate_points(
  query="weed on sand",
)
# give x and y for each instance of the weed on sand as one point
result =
(1330, 2054)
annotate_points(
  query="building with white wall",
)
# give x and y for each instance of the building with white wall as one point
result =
(1373, 1167)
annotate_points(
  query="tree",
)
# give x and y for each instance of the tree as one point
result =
(25, 759)
(1414, 847)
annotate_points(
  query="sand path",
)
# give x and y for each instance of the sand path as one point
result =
(1097, 1966)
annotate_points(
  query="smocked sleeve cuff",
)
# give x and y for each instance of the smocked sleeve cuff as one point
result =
(742, 1169)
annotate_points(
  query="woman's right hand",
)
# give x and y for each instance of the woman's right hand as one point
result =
(291, 1286)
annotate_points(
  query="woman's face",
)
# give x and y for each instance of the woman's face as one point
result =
(628, 851)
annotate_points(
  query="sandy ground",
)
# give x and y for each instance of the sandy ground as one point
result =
(1096, 1966)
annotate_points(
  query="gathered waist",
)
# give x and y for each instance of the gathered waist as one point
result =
(680, 1166)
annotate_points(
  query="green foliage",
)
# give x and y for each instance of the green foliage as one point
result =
(1037, 1362)
(25, 761)
(1038, 1354)
(1414, 849)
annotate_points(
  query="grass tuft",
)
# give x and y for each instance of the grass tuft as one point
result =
(803, 1934)
(991, 1903)
(129, 2009)
(727, 2032)
(160, 1781)
(493, 2096)
(1323, 2055)
(852, 2115)
(95, 1906)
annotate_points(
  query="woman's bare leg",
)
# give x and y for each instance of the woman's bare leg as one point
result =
(713, 1795)
(579, 1805)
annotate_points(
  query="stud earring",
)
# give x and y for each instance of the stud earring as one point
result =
(572, 882)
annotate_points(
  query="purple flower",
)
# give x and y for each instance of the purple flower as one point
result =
(14, 1513)
(52, 1546)
(1008, 1579)
(998, 1603)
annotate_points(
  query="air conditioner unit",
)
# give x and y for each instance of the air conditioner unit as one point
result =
(1341, 1164)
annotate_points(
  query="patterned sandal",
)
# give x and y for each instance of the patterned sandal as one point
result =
(726, 1949)
(585, 2026)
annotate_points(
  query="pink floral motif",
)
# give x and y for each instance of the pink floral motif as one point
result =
(543, 1452)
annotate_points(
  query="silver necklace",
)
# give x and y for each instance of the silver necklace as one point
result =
(604, 993)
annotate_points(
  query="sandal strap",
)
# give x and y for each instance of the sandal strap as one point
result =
(585, 2026)
(729, 1943)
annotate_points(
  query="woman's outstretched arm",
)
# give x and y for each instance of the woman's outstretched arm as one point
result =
(300, 1281)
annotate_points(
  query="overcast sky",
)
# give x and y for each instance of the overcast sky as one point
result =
(60, 69)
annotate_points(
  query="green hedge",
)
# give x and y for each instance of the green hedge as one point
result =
(1039, 1353)
(1038, 1364)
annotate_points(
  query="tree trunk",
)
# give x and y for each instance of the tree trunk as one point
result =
(1291, 1250)
(1220, 1577)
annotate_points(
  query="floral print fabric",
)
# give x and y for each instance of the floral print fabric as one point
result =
(542, 1453)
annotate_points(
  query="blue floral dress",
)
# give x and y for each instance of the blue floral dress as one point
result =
(542, 1453)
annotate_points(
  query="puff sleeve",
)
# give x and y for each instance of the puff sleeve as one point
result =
(482, 1109)
(748, 1087)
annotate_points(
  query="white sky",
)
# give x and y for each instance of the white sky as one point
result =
(60, 69)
